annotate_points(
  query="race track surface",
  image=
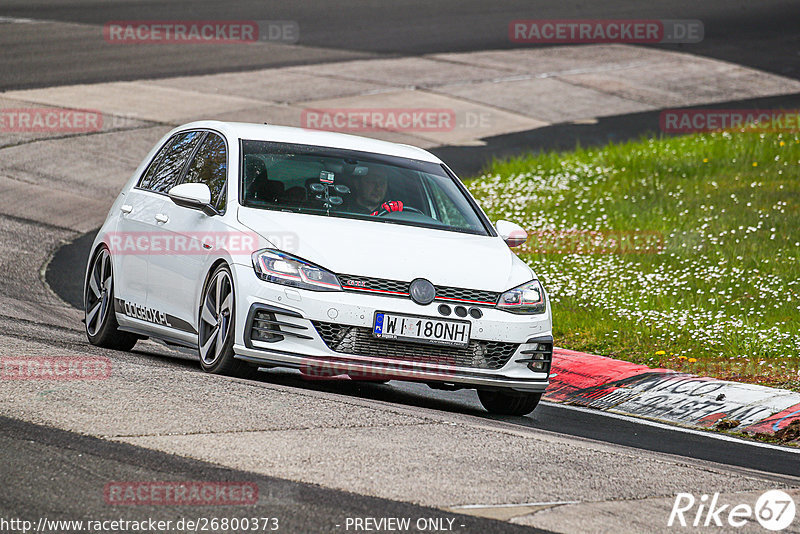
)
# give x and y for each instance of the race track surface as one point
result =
(320, 451)
(71, 49)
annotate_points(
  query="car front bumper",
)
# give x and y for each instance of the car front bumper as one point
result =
(298, 314)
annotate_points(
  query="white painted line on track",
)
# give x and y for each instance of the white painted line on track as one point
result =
(15, 20)
(675, 428)
(471, 506)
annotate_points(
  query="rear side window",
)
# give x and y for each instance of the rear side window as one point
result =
(166, 167)
(210, 167)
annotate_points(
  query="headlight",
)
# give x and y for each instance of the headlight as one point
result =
(528, 298)
(281, 268)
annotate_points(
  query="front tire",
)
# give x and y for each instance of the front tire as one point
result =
(102, 327)
(217, 327)
(509, 403)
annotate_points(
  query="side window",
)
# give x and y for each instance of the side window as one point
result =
(210, 166)
(169, 163)
(147, 179)
(447, 209)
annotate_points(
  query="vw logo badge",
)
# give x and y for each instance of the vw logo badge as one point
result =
(422, 291)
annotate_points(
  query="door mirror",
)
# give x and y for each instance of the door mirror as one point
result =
(195, 196)
(512, 233)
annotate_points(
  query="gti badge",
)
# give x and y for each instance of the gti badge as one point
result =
(422, 291)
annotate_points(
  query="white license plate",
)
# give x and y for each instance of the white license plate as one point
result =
(421, 329)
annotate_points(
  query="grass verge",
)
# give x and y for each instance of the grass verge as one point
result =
(677, 252)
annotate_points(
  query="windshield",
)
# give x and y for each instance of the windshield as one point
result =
(354, 185)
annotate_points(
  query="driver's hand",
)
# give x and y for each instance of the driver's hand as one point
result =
(389, 207)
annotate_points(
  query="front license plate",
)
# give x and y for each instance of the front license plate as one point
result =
(421, 329)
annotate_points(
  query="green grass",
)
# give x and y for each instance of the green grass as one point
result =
(717, 276)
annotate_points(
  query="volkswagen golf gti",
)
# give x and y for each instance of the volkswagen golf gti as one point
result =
(265, 246)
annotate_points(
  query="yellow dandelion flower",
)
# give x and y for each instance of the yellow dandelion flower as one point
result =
(705, 160)
(782, 143)
(681, 357)
(660, 353)
(755, 164)
(692, 360)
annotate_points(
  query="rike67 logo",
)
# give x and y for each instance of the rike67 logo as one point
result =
(774, 510)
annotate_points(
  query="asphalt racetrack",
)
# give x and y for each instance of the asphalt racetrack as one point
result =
(756, 34)
(325, 451)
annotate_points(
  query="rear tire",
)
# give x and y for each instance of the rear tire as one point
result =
(102, 328)
(509, 403)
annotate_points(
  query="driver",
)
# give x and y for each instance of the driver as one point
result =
(371, 194)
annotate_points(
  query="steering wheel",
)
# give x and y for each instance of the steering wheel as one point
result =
(383, 212)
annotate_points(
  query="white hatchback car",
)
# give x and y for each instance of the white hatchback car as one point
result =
(266, 246)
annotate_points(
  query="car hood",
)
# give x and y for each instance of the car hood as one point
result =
(391, 251)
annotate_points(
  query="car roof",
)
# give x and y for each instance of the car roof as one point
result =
(304, 136)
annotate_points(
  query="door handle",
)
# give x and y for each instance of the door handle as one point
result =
(126, 208)
(160, 217)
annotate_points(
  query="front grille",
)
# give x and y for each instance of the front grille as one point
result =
(359, 341)
(358, 283)
(397, 288)
(469, 296)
